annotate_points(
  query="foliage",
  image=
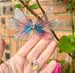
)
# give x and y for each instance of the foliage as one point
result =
(71, 5)
(18, 6)
(63, 63)
(66, 45)
(34, 6)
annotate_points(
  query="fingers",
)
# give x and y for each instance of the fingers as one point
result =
(50, 67)
(2, 47)
(39, 48)
(28, 69)
(28, 46)
(47, 53)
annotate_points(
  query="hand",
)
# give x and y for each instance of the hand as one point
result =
(2, 47)
(41, 48)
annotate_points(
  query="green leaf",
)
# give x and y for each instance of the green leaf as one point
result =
(74, 31)
(72, 39)
(63, 63)
(58, 0)
(67, 70)
(34, 6)
(68, 6)
(65, 45)
(18, 6)
(74, 5)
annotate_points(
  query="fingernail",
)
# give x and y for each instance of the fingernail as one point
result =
(58, 68)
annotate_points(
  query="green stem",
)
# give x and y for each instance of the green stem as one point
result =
(27, 7)
(72, 70)
(42, 10)
(71, 14)
(55, 35)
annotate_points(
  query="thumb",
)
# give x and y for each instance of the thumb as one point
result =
(2, 47)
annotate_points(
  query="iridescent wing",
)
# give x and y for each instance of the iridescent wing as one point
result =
(39, 29)
(59, 24)
(15, 23)
(18, 15)
(54, 23)
(49, 13)
(24, 32)
(22, 23)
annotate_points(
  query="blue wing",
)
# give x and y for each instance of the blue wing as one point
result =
(27, 29)
(39, 29)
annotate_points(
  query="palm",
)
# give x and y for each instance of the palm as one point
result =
(18, 61)
(22, 64)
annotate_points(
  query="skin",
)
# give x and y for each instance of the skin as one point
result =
(39, 47)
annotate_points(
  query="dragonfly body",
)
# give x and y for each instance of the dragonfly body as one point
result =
(38, 28)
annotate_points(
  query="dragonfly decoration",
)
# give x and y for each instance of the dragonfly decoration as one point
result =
(24, 25)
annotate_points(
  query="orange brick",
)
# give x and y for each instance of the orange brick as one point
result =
(62, 17)
(38, 11)
(14, 46)
(60, 34)
(22, 43)
(7, 41)
(2, 31)
(67, 33)
(31, 17)
(7, 21)
(10, 32)
(58, 8)
(66, 1)
(7, 24)
(46, 2)
(62, 56)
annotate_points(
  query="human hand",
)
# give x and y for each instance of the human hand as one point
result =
(36, 47)
(2, 47)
